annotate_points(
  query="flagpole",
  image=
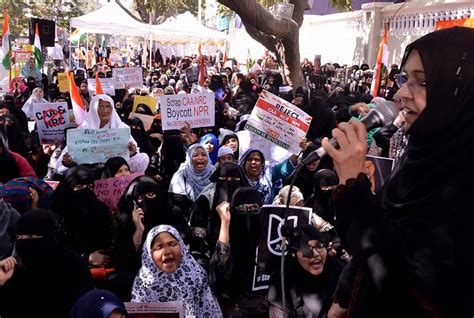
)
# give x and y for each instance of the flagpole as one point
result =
(70, 46)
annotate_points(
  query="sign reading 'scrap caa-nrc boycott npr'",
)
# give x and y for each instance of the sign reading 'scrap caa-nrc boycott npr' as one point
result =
(98, 145)
(279, 121)
(197, 109)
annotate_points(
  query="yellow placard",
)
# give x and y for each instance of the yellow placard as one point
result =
(63, 82)
(147, 100)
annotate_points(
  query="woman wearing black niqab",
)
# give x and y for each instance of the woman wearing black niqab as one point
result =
(47, 278)
(413, 246)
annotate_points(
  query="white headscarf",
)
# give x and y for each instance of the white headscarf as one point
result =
(92, 119)
(187, 180)
(28, 105)
(188, 283)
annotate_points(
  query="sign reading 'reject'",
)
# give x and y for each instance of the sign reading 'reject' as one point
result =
(197, 109)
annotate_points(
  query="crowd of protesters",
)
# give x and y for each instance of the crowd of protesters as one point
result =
(188, 226)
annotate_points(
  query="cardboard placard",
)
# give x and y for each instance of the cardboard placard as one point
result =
(197, 109)
(63, 82)
(106, 83)
(110, 190)
(51, 120)
(172, 309)
(150, 101)
(132, 76)
(279, 121)
(98, 145)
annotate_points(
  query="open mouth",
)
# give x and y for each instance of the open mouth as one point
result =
(316, 263)
(169, 261)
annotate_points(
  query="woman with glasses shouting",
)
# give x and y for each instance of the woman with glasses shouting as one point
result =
(411, 243)
(311, 275)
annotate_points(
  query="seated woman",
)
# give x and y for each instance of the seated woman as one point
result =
(99, 303)
(42, 273)
(170, 273)
(311, 276)
(265, 178)
(37, 97)
(190, 179)
(115, 167)
(89, 228)
(101, 114)
(211, 143)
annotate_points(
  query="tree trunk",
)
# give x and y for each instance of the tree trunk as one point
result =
(278, 35)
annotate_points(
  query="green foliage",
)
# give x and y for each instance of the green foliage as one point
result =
(20, 10)
(163, 9)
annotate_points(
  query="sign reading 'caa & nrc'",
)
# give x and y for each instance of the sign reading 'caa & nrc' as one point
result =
(197, 109)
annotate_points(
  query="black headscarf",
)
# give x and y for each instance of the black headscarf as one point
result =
(429, 196)
(156, 210)
(140, 136)
(225, 188)
(112, 165)
(16, 137)
(321, 200)
(8, 166)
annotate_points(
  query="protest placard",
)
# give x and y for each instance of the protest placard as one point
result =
(51, 120)
(192, 74)
(97, 145)
(147, 120)
(197, 109)
(132, 76)
(107, 86)
(52, 184)
(150, 101)
(279, 121)
(171, 309)
(63, 82)
(110, 190)
(269, 248)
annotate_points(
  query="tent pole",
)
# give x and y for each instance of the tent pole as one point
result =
(150, 48)
(70, 46)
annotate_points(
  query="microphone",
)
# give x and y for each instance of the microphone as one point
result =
(382, 115)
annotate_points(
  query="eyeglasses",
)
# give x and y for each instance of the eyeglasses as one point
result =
(414, 85)
(319, 247)
(248, 208)
(79, 187)
(149, 195)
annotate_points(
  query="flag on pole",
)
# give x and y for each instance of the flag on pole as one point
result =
(202, 69)
(380, 71)
(98, 86)
(77, 103)
(37, 53)
(6, 42)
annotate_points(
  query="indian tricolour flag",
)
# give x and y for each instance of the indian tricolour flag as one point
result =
(381, 66)
(37, 53)
(6, 42)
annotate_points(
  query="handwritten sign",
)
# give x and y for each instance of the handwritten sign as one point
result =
(107, 86)
(98, 145)
(278, 121)
(63, 82)
(51, 120)
(132, 76)
(147, 100)
(269, 248)
(197, 109)
(110, 190)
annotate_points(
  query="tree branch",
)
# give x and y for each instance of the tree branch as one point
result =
(298, 12)
(266, 40)
(257, 16)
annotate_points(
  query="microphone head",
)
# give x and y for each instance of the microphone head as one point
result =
(388, 110)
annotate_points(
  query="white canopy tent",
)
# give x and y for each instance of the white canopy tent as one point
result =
(110, 19)
(185, 28)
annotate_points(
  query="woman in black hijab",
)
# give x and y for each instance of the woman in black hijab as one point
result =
(138, 133)
(115, 167)
(311, 275)
(143, 205)
(205, 222)
(47, 277)
(412, 246)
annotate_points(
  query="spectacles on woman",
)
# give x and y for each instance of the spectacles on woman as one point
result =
(414, 85)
